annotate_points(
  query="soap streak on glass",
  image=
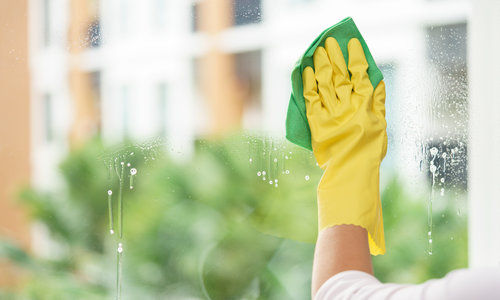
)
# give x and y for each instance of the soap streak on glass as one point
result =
(133, 172)
(268, 157)
(119, 253)
(119, 161)
(120, 175)
(110, 212)
(433, 169)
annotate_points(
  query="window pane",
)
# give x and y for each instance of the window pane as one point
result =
(189, 188)
(247, 12)
(48, 118)
(47, 20)
(162, 109)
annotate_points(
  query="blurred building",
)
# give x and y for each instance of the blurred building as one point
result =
(184, 69)
(181, 69)
(15, 129)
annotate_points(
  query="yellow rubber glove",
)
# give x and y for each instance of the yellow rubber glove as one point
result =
(349, 140)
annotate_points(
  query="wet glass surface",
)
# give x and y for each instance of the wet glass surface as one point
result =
(157, 165)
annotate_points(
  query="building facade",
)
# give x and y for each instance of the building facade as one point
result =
(184, 69)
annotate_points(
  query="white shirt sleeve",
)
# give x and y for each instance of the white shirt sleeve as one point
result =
(457, 285)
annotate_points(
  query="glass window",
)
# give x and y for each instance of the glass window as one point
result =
(159, 13)
(161, 91)
(124, 16)
(247, 12)
(47, 21)
(195, 16)
(94, 34)
(95, 92)
(248, 67)
(447, 54)
(125, 105)
(48, 118)
(190, 189)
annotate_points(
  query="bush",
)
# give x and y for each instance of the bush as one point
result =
(206, 226)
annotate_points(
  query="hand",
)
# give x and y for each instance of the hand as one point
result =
(347, 120)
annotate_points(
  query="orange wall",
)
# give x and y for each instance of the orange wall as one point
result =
(14, 124)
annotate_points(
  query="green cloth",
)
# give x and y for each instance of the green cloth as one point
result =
(297, 127)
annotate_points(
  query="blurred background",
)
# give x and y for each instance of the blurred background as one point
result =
(192, 94)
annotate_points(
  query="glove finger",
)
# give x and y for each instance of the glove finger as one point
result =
(379, 100)
(310, 91)
(324, 72)
(379, 109)
(340, 73)
(343, 86)
(358, 67)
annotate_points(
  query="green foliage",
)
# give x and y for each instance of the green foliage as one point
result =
(206, 226)
(405, 221)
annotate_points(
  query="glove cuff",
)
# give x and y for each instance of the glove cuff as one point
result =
(353, 202)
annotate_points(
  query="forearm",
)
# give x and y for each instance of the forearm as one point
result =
(340, 248)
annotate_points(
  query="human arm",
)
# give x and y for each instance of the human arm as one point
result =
(340, 248)
(347, 120)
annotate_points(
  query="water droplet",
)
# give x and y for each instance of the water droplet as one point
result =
(287, 172)
(250, 160)
(444, 155)
(286, 156)
(259, 173)
(452, 238)
(122, 163)
(120, 248)
(433, 169)
(276, 180)
(430, 252)
(429, 233)
(133, 171)
(276, 185)
(263, 172)
(434, 151)
(270, 182)
(111, 231)
(442, 192)
(128, 164)
(131, 187)
(110, 192)
(307, 177)
(275, 160)
(442, 180)
(430, 241)
(459, 212)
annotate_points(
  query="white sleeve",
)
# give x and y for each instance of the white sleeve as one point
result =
(457, 285)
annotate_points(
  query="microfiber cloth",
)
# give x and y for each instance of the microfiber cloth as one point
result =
(297, 127)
